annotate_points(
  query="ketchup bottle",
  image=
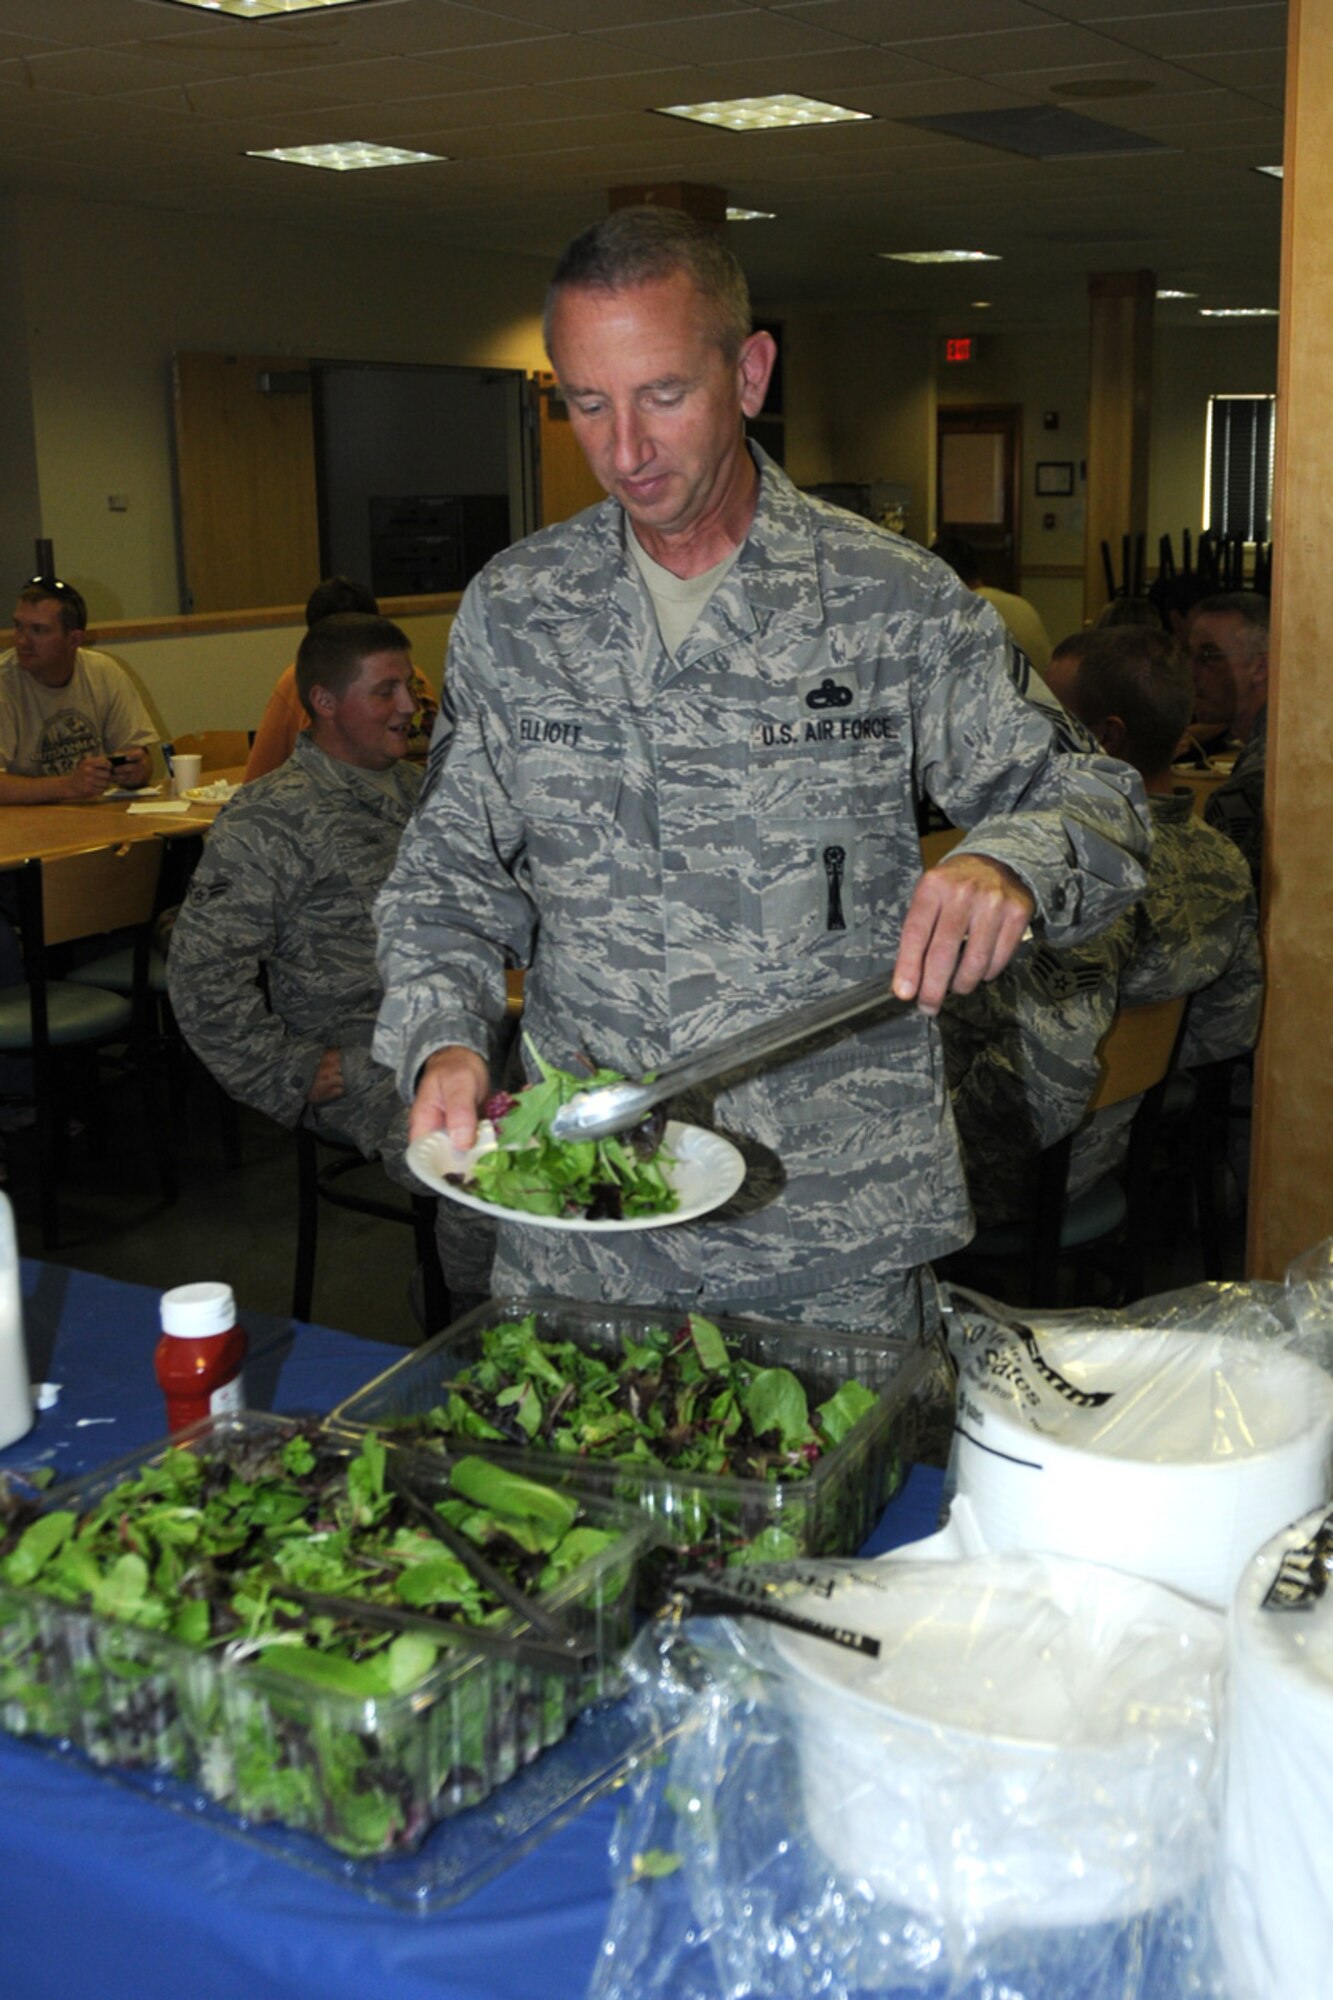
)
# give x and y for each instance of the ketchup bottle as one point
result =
(201, 1353)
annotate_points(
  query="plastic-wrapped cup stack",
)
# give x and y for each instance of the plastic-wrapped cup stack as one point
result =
(1279, 1804)
(1171, 1455)
(1027, 1767)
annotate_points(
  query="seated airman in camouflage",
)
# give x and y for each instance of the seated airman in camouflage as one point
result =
(271, 967)
(1021, 1053)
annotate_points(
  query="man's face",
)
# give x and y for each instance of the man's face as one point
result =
(655, 403)
(42, 646)
(370, 725)
(1230, 664)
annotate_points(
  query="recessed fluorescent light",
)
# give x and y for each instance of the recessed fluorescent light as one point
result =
(347, 157)
(751, 215)
(1238, 312)
(1276, 172)
(255, 10)
(1167, 293)
(981, 305)
(940, 256)
(762, 114)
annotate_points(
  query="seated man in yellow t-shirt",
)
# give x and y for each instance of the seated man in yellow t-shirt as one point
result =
(284, 718)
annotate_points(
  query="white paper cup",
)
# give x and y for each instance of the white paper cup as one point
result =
(1034, 1747)
(1173, 1456)
(186, 768)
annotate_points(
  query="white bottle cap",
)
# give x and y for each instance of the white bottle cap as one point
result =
(192, 1312)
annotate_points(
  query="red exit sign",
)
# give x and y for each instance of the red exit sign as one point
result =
(962, 347)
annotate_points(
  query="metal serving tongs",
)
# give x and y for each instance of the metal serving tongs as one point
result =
(550, 1646)
(555, 1633)
(594, 1114)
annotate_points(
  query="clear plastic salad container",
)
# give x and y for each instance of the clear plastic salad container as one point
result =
(702, 1519)
(368, 1775)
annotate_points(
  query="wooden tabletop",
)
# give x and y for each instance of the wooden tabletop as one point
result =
(29, 831)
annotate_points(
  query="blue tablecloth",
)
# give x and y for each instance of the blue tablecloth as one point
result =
(106, 1893)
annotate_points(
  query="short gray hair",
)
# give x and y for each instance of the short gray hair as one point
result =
(638, 246)
(1250, 606)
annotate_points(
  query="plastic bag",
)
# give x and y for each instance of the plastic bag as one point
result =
(1049, 1830)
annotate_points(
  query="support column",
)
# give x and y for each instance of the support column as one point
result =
(1291, 1184)
(1120, 316)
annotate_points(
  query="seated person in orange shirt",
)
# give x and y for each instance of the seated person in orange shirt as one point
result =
(284, 718)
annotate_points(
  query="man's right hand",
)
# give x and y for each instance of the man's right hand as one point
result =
(88, 779)
(453, 1085)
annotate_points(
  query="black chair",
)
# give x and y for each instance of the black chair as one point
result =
(63, 900)
(1194, 1147)
(316, 1182)
(115, 969)
(1109, 1220)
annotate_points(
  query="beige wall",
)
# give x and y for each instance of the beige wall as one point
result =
(85, 400)
(221, 680)
(99, 348)
(1042, 371)
(860, 402)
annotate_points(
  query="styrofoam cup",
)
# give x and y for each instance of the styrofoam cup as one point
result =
(186, 768)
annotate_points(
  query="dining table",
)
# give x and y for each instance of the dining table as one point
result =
(35, 832)
(110, 1886)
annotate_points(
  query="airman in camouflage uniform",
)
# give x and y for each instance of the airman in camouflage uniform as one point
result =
(1022, 1052)
(680, 844)
(282, 898)
(271, 966)
(1228, 649)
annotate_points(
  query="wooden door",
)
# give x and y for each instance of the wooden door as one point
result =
(564, 483)
(980, 450)
(245, 469)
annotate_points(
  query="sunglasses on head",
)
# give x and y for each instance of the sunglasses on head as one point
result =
(64, 593)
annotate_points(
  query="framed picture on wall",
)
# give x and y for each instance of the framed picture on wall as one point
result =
(1055, 477)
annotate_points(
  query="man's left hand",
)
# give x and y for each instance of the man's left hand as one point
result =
(963, 925)
(134, 771)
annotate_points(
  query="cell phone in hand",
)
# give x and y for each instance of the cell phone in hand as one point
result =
(122, 757)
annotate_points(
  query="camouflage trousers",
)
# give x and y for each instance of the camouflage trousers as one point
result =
(892, 1305)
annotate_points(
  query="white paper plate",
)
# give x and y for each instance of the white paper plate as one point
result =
(215, 794)
(705, 1171)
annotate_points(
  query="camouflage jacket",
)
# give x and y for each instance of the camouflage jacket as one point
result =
(1021, 1053)
(272, 957)
(680, 848)
(1236, 808)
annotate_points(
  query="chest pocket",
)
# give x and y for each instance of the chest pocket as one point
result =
(827, 813)
(568, 771)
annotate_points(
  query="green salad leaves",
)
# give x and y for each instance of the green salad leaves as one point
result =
(679, 1399)
(614, 1179)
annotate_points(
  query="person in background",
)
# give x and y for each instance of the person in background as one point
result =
(1228, 655)
(682, 742)
(71, 720)
(1062, 667)
(1128, 611)
(1175, 597)
(271, 966)
(284, 718)
(1021, 1053)
(1023, 619)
